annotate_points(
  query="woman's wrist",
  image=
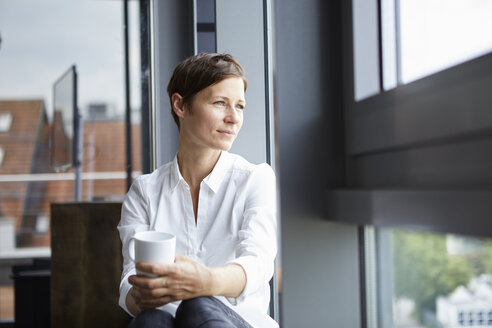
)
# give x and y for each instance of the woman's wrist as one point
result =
(131, 305)
(214, 288)
(228, 281)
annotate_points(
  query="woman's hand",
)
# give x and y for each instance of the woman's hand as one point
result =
(131, 304)
(181, 280)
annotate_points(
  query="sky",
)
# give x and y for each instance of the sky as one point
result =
(41, 40)
(437, 34)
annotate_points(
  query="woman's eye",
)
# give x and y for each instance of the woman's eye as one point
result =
(219, 103)
(240, 107)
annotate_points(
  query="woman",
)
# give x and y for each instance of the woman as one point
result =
(220, 207)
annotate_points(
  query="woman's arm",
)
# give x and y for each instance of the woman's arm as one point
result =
(134, 218)
(182, 280)
(257, 238)
(228, 280)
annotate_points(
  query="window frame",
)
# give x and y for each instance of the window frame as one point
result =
(447, 109)
(417, 108)
(394, 128)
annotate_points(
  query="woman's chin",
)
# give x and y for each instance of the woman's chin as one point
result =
(225, 147)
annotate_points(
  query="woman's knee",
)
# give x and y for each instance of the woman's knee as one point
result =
(153, 318)
(193, 306)
(193, 312)
(207, 312)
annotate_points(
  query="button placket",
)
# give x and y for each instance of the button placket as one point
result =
(203, 217)
(190, 220)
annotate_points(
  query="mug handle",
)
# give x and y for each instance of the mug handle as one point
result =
(131, 249)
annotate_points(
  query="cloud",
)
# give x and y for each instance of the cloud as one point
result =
(42, 39)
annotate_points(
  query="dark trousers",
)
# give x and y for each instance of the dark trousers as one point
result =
(200, 312)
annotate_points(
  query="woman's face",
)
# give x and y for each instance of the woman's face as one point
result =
(215, 116)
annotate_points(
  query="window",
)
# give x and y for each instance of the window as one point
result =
(29, 71)
(206, 34)
(461, 318)
(42, 224)
(5, 121)
(431, 276)
(436, 34)
(90, 36)
(480, 318)
(408, 162)
(404, 40)
(2, 154)
(441, 108)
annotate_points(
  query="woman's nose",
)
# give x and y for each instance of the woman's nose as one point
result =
(233, 115)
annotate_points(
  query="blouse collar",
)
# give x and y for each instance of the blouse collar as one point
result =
(213, 180)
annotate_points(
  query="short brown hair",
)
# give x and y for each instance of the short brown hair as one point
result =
(198, 72)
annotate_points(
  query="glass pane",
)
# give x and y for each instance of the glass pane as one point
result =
(39, 42)
(438, 280)
(205, 15)
(206, 41)
(437, 34)
(366, 49)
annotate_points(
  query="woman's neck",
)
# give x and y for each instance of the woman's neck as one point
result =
(196, 165)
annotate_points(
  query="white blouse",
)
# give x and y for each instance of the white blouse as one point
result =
(236, 223)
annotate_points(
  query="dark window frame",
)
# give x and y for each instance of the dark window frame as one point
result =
(393, 129)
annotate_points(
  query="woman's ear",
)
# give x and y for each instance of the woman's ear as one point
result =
(178, 104)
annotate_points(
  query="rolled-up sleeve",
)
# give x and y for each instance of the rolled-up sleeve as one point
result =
(257, 240)
(134, 218)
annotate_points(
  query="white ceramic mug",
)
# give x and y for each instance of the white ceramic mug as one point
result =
(153, 247)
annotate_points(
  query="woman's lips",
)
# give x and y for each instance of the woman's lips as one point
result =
(226, 132)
